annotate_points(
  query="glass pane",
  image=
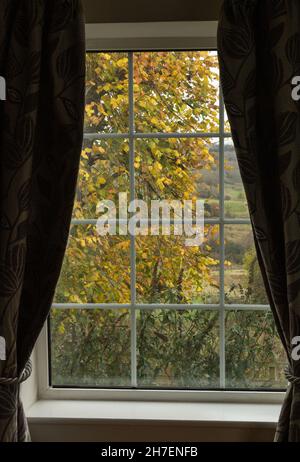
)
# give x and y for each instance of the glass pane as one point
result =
(176, 91)
(235, 198)
(96, 268)
(255, 357)
(106, 93)
(243, 280)
(104, 173)
(169, 271)
(178, 169)
(90, 348)
(178, 348)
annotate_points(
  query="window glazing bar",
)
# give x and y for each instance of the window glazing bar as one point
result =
(207, 221)
(222, 242)
(159, 135)
(158, 306)
(133, 333)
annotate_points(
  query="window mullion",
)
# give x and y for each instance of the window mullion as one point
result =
(155, 135)
(222, 242)
(132, 238)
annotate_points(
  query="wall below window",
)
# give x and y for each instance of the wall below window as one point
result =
(156, 10)
(154, 432)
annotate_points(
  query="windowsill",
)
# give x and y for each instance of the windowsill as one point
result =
(200, 414)
(76, 419)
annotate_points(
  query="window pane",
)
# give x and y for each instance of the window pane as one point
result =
(104, 172)
(243, 280)
(168, 271)
(235, 198)
(178, 169)
(255, 357)
(176, 91)
(90, 348)
(96, 268)
(107, 101)
(178, 348)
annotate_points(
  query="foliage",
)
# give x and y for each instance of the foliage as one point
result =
(173, 92)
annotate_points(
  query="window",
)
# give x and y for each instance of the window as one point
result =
(148, 311)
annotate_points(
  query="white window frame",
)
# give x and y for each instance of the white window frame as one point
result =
(151, 36)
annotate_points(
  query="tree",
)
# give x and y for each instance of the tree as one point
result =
(173, 91)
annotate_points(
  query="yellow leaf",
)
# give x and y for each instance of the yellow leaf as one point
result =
(154, 121)
(98, 149)
(122, 62)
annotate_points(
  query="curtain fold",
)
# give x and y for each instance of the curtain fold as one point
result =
(259, 54)
(42, 58)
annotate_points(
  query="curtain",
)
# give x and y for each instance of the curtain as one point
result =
(259, 54)
(42, 59)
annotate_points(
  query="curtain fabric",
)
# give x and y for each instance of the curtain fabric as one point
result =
(259, 54)
(42, 58)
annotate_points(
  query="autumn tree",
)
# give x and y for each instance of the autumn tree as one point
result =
(173, 92)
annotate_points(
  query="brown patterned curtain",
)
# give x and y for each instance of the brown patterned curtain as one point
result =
(42, 58)
(259, 54)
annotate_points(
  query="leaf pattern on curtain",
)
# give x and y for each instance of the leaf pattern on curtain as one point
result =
(259, 54)
(42, 58)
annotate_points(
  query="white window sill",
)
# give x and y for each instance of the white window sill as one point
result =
(200, 414)
(166, 418)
